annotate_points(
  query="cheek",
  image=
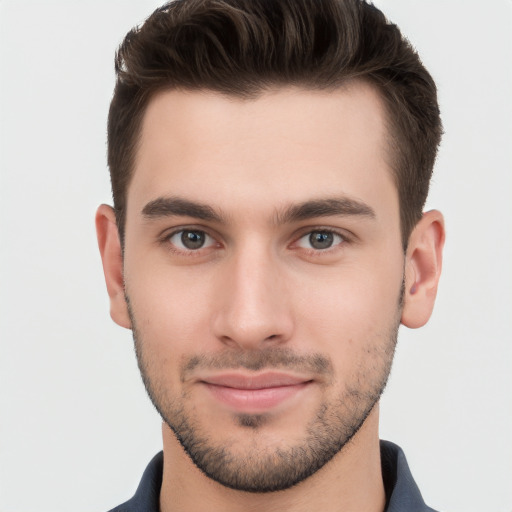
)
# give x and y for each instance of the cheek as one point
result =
(170, 310)
(355, 308)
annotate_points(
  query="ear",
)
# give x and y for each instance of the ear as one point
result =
(423, 268)
(112, 258)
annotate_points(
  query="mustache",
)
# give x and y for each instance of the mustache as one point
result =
(254, 360)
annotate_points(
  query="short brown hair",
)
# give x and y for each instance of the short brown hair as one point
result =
(244, 47)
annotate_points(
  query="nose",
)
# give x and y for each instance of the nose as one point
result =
(253, 305)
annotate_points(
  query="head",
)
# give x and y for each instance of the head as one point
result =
(270, 162)
(242, 48)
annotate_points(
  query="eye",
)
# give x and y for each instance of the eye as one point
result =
(320, 240)
(191, 239)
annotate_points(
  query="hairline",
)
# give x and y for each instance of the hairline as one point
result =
(391, 148)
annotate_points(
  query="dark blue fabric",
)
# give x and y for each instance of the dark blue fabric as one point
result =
(147, 496)
(402, 492)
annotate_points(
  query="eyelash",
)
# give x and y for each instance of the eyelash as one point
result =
(343, 239)
(166, 239)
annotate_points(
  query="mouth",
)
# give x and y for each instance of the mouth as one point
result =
(255, 393)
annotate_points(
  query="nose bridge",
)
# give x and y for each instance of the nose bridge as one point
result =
(254, 308)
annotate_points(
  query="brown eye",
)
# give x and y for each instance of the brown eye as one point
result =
(191, 239)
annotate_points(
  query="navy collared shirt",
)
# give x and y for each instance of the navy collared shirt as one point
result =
(402, 492)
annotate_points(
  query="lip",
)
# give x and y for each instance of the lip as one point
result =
(255, 393)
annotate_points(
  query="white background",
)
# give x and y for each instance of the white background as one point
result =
(76, 429)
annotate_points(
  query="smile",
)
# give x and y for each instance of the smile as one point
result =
(255, 394)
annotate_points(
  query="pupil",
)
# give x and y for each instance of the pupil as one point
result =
(321, 240)
(192, 239)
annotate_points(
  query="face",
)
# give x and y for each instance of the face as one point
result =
(263, 272)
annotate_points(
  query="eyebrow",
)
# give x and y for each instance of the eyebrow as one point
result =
(177, 206)
(325, 208)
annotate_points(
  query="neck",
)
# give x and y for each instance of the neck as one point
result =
(352, 480)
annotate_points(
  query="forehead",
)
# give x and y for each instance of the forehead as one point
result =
(284, 146)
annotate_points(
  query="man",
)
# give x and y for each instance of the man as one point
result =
(269, 164)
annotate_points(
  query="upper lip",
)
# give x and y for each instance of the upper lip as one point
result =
(257, 381)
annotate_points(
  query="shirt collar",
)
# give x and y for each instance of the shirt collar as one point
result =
(402, 492)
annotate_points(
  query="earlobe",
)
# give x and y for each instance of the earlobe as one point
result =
(112, 259)
(423, 269)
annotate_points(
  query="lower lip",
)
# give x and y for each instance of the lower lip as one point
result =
(255, 400)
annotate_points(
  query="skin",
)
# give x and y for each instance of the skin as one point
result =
(258, 286)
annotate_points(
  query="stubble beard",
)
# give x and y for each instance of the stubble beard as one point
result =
(256, 469)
